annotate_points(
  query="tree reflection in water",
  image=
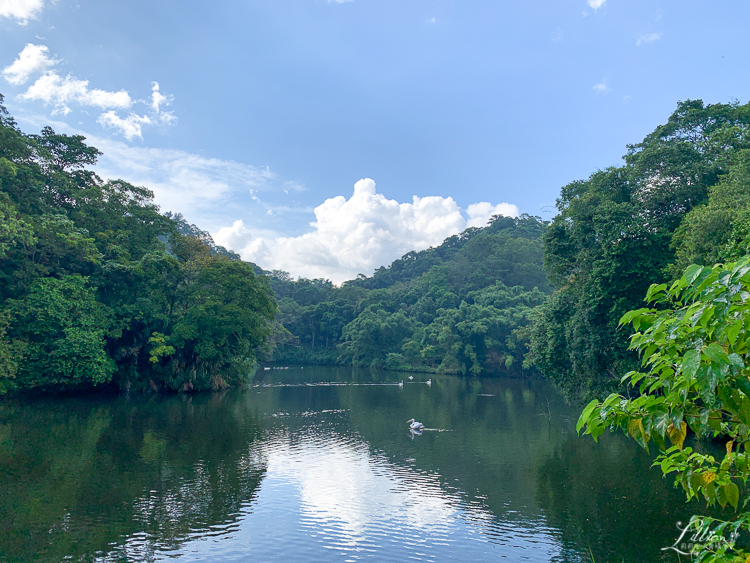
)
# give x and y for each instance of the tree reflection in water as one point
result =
(119, 480)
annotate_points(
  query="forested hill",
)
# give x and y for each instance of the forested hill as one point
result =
(507, 264)
(461, 307)
(97, 288)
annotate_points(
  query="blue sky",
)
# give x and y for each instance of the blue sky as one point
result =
(268, 112)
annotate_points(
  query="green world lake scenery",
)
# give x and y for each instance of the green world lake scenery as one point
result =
(144, 415)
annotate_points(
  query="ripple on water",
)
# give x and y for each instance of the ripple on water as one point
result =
(327, 497)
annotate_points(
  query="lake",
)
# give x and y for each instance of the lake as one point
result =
(318, 464)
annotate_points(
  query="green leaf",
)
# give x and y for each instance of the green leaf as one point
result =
(677, 434)
(636, 430)
(655, 289)
(721, 496)
(585, 415)
(692, 273)
(732, 492)
(744, 384)
(695, 482)
(733, 331)
(716, 353)
(691, 361)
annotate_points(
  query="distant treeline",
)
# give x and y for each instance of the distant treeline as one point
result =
(98, 288)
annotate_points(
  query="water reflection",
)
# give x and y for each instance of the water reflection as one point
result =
(318, 465)
(120, 480)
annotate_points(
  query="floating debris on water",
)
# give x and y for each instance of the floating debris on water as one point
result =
(484, 395)
(324, 384)
(308, 414)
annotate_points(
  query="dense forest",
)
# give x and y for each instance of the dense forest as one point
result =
(462, 307)
(681, 197)
(99, 288)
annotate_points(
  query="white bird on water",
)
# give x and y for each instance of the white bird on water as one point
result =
(411, 377)
(414, 425)
(401, 384)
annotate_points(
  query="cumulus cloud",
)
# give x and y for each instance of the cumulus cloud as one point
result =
(356, 235)
(32, 60)
(61, 92)
(21, 10)
(596, 4)
(480, 213)
(648, 38)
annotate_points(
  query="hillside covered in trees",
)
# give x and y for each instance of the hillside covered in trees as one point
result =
(462, 307)
(97, 288)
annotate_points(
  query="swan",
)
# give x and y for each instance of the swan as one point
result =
(429, 381)
(414, 425)
(401, 384)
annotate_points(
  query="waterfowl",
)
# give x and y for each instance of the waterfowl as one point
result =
(414, 425)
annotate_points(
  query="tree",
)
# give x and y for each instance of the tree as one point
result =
(616, 232)
(63, 330)
(224, 315)
(695, 348)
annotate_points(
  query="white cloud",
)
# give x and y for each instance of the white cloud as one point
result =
(32, 60)
(358, 234)
(51, 88)
(480, 213)
(21, 10)
(130, 126)
(601, 88)
(62, 92)
(181, 181)
(339, 1)
(157, 100)
(596, 4)
(558, 36)
(431, 20)
(648, 38)
(340, 483)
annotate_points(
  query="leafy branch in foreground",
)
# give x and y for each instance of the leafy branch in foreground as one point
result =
(694, 375)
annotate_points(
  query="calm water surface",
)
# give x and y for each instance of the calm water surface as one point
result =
(318, 464)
